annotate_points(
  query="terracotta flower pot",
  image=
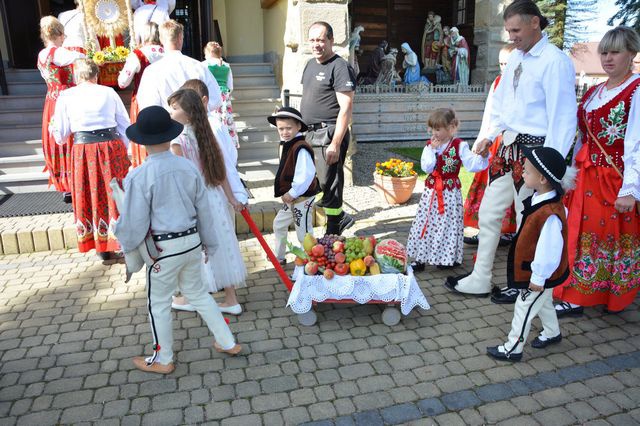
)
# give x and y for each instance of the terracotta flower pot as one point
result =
(395, 190)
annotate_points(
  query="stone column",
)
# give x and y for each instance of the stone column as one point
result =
(489, 36)
(300, 15)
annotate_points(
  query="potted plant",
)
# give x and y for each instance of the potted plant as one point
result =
(111, 61)
(395, 180)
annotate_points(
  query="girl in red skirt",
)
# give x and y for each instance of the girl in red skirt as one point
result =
(97, 118)
(55, 65)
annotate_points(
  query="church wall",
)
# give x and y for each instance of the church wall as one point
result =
(245, 31)
(490, 36)
(220, 14)
(275, 20)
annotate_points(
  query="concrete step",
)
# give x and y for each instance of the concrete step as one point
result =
(256, 92)
(24, 182)
(248, 121)
(11, 102)
(255, 106)
(17, 75)
(250, 80)
(27, 88)
(239, 68)
(20, 148)
(263, 133)
(20, 117)
(22, 164)
(259, 173)
(257, 151)
(24, 132)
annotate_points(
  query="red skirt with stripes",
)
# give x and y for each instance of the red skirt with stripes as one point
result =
(95, 212)
(57, 158)
(138, 152)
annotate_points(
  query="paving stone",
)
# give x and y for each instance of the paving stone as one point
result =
(497, 411)
(218, 410)
(374, 383)
(78, 414)
(248, 420)
(263, 403)
(460, 400)
(370, 401)
(604, 385)
(553, 397)
(170, 400)
(494, 392)
(322, 410)
(295, 415)
(401, 413)
(452, 419)
(582, 411)
(165, 417)
(555, 416)
(603, 405)
(40, 418)
(368, 418)
(71, 399)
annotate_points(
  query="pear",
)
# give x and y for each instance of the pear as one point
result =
(308, 242)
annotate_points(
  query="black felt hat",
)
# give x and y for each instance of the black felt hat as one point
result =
(288, 112)
(153, 127)
(550, 163)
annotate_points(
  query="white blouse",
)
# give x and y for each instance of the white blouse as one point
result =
(61, 57)
(87, 107)
(132, 66)
(631, 154)
(472, 162)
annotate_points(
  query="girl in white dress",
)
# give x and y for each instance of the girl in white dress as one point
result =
(198, 144)
(436, 233)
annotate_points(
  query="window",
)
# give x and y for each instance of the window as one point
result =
(462, 12)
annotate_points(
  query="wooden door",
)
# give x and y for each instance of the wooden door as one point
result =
(195, 16)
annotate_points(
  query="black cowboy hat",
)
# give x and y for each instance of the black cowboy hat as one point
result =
(288, 112)
(550, 163)
(153, 127)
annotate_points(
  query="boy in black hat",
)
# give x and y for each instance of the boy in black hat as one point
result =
(537, 259)
(166, 196)
(296, 182)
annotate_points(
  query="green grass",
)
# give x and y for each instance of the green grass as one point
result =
(415, 153)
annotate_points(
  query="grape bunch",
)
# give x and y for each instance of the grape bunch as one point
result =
(354, 249)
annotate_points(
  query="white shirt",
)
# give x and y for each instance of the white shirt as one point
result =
(169, 5)
(167, 194)
(74, 30)
(86, 107)
(166, 75)
(132, 66)
(148, 13)
(549, 248)
(544, 103)
(472, 162)
(230, 154)
(304, 173)
(485, 126)
(631, 158)
(208, 62)
(61, 57)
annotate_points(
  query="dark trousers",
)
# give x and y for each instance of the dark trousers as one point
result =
(331, 177)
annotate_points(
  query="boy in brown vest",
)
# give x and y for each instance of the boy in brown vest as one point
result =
(296, 182)
(537, 259)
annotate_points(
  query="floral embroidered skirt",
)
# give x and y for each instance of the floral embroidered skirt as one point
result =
(603, 244)
(95, 212)
(476, 192)
(225, 115)
(138, 152)
(441, 243)
(57, 157)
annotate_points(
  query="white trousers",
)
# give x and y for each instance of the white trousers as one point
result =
(529, 305)
(301, 215)
(497, 198)
(179, 266)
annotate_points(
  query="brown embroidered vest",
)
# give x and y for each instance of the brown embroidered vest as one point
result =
(287, 167)
(523, 247)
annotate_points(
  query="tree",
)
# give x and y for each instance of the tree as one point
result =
(629, 14)
(567, 18)
(556, 12)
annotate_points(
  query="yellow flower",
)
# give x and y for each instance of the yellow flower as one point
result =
(396, 168)
(122, 52)
(98, 58)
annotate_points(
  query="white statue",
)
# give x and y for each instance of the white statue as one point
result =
(461, 60)
(354, 48)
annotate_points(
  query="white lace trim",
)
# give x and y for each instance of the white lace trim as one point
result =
(386, 287)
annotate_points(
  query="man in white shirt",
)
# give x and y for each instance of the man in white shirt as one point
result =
(166, 75)
(150, 11)
(75, 31)
(534, 105)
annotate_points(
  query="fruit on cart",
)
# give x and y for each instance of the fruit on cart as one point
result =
(357, 267)
(300, 261)
(341, 269)
(369, 260)
(391, 256)
(308, 242)
(374, 269)
(353, 249)
(338, 247)
(340, 257)
(311, 268)
(328, 274)
(317, 250)
(297, 251)
(368, 245)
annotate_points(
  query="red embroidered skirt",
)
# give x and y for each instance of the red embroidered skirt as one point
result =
(56, 157)
(95, 212)
(475, 194)
(138, 152)
(603, 244)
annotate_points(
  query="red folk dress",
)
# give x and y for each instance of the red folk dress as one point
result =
(603, 244)
(57, 157)
(138, 153)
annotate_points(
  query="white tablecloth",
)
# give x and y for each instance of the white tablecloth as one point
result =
(386, 287)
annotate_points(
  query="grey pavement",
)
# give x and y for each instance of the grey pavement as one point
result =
(69, 326)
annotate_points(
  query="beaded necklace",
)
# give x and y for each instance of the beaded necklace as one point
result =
(624, 80)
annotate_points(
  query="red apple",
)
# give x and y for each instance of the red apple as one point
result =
(328, 274)
(338, 247)
(317, 250)
(369, 260)
(340, 257)
(341, 269)
(311, 268)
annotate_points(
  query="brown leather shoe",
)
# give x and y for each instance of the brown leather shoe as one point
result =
(141, 364)
(233, 351)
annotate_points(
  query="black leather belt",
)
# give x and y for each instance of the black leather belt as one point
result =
(173, 235)
(526, 139)
(95, 136)
(317, 126)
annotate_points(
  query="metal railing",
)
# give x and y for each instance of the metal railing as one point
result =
(291, 99)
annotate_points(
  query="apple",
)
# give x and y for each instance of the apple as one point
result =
(299, 261)
(328, 274)
(341, 269)
(340, 257)
(338, 247)
(369, 260)
(311, 268)
(317, 250)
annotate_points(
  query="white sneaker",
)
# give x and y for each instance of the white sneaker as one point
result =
(233, 309)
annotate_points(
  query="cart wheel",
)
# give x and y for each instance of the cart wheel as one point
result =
(391, 316)
(308, 318)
